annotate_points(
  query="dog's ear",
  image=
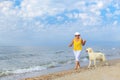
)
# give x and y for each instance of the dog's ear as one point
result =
(90, 50)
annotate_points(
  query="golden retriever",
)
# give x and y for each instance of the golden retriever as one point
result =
(93, 56)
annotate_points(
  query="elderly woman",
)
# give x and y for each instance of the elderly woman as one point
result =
(77, 44)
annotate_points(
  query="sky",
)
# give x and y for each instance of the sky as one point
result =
(54, 22)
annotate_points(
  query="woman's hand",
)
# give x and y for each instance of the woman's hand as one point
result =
(70, 45)
(83, 42)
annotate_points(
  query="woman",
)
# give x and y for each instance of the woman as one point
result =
(77, 44)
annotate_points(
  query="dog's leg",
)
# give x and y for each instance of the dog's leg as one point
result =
(89, 64)
(103, 59)
(95, 63)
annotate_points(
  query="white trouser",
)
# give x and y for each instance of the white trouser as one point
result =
(77, 54)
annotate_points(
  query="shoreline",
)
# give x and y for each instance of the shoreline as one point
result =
(60, 74)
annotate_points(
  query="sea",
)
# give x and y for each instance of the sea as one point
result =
(17, 62)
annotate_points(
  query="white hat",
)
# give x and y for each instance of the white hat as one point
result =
(77, 33)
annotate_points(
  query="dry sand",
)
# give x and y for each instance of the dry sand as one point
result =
(110, 71)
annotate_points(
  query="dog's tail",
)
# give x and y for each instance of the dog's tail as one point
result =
(104, 59)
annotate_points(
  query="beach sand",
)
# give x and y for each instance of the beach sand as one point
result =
(109, 71)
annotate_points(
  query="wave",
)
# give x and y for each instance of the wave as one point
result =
(24, 70)
(43, 66)
(35, 68)
(59, 52)
(30, 69)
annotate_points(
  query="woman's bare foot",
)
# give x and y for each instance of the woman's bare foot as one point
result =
(75, 68)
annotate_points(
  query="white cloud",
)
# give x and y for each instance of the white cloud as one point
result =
(100, 4)
(30, 8)
(115, 22)
(117, 12)
(34, 8)
(60, 18)
(5, 6)
(116, 5)
(89, 14)
(86, 13)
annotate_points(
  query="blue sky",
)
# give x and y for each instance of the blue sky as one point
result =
(53, 22)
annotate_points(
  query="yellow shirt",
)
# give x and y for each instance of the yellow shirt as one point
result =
(77, 45)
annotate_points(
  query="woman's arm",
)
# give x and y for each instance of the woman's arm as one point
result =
(71, 44)
(83, 42)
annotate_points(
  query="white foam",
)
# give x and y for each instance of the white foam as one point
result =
(52, 64)
(69, 62)
(31, 69)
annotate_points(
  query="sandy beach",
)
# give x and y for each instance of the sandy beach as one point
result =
(109, 71)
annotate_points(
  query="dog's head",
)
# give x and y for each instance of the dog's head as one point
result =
(89, 50)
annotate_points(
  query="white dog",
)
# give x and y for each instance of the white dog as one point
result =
(93, 56)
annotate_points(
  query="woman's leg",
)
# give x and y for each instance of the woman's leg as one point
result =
(77, 56)
(78, 65)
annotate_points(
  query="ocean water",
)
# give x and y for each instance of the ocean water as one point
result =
(20, 60)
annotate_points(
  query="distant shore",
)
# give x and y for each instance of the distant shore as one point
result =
(109, 71)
